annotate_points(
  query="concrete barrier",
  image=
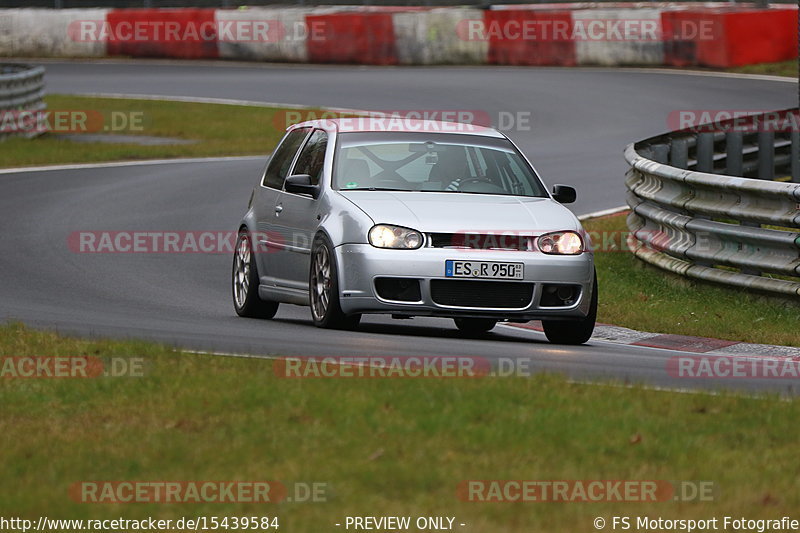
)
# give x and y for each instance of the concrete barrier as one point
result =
(438, 37)
(629, 37)
(50, 33)
(530, 37)
(718, 35)
(287, 33)
(180, 33)
(357, 37)
(729, 38)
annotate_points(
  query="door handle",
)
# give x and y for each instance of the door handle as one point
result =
(278, 209)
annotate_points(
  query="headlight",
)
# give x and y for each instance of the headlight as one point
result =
(561, 243)
(386, 236)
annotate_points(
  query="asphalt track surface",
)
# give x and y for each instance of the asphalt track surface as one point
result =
(582, 119)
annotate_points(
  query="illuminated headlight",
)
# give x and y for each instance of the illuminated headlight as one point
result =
(386, 236)
(561, 243)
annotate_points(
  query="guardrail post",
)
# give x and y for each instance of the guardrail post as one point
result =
(661, 153)
(679, 154)
(733, 153)
(766, 155)
(795, 154)
(705, 152)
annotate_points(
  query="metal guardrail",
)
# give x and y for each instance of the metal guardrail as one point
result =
(21, 100)
(703, 205)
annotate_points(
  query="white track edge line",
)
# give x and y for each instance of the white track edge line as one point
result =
(143, 162)
(603, 213)
(211, 100)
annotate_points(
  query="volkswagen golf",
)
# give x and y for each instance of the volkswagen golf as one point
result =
(359, 215)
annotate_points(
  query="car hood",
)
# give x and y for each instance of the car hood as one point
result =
(436, 212)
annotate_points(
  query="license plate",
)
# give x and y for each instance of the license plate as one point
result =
(483, 269)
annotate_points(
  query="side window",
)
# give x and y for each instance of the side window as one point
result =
(312, 156)
(279, 164)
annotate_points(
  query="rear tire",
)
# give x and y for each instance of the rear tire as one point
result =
(323, 289)
(573, 331)
(246, 301)
(475, 325)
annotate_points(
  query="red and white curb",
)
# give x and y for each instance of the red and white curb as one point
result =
(682, 343)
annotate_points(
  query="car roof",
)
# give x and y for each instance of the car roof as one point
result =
(396, 124)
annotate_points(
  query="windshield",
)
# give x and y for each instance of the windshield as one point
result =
(433, 163)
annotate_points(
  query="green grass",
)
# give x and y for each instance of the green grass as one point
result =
(384, 447)
(783, 68)
(219, 130)
(642, 297)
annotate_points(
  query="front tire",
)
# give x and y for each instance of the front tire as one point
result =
(246, 301)
(323, 289)
(573, 331)
(475, 325)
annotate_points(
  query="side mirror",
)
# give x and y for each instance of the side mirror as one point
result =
(564, 194)
(301, 184)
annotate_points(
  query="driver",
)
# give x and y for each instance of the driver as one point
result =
(451, 167)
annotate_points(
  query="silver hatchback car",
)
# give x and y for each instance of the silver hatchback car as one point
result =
(412, 218)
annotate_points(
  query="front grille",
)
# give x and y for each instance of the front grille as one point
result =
(473, 293)
(480, 241)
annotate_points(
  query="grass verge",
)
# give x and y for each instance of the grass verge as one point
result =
(783, 68)
(216, 129)
(383, 448)
(642, 297)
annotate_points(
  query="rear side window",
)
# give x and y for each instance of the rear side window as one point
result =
(312, 157)
(282, 158)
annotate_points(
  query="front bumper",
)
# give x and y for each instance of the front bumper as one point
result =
(360, 264)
